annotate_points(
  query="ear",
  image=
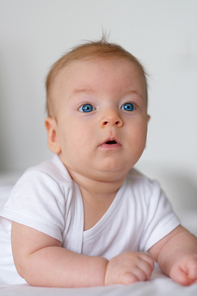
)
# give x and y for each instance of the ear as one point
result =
(52, 140)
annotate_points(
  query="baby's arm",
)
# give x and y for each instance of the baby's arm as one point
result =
(41, 261)
(176, 255)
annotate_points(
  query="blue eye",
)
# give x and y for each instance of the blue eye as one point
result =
(128, 107)
(86, 108)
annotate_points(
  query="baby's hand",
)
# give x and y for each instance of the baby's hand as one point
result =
(184, 271)
(128, 268)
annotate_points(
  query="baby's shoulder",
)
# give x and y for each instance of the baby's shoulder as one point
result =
(138, 181)
(49, 174)
(136, 176)
(52, 168)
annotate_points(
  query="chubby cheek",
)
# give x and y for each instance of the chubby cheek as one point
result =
(76, 140)
(138, 134)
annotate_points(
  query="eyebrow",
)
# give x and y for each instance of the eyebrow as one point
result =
(89, 90)
(139, 95)
(133, 92)
(130, 92)
(83, 90)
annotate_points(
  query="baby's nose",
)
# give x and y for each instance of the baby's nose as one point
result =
(111, 119)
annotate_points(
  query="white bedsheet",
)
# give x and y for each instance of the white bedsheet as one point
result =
(158, 285)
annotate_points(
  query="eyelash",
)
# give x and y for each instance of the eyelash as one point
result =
(88, 108)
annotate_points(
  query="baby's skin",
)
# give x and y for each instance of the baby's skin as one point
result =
(98, 101)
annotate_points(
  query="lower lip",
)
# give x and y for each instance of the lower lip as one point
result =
(110, 146)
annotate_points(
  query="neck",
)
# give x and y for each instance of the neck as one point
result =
(97, 187)
(97, 196)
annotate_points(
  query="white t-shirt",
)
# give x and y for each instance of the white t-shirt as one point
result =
(48, 200)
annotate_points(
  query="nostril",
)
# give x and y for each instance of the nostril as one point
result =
(111, 122)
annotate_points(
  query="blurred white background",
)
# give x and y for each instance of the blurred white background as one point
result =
(162, 34)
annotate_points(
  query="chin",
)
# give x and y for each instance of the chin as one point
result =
(109, 173)
(116, 165)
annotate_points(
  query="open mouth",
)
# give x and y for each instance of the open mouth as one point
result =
(111, 142)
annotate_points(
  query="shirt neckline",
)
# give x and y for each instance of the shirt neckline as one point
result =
(107, 217)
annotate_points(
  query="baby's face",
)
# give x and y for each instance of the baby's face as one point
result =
(101, 117)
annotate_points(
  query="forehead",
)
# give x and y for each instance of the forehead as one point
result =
(92, 69)
(99, 75)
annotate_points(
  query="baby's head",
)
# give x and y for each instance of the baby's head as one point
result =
(88, 51)
(97, 110)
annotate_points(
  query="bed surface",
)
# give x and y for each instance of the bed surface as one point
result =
(159, 284)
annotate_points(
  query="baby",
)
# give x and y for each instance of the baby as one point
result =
(87, 217)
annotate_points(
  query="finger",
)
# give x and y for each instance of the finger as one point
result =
(140, 274)
(146, 266)
(128, 278)
(181, 277)
(148, 259)
(191, 268)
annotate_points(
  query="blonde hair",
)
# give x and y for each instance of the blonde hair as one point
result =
(86, 51)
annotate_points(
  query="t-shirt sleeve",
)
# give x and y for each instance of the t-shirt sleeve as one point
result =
(37, 201)
(161, 219)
